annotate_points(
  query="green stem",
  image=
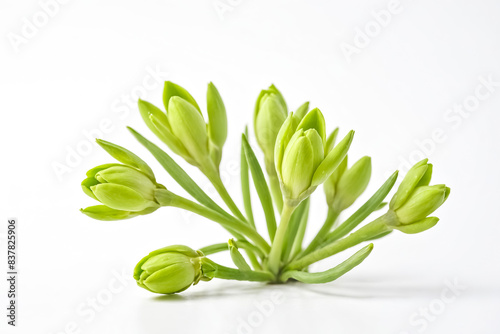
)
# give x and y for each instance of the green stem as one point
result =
(216, 181)
(236, 274)
(221, 247)
(299, 238)
(376, 227)
(277, 245)
(276, 191)
(320, 237)
(170, 199)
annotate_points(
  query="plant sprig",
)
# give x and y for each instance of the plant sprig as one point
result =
(298, 157)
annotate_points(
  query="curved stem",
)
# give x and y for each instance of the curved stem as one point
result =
(227, 222)
(216, 181)
(221, 247)
(321, 235)
(277, 247)
(376, 227)
(236, 274)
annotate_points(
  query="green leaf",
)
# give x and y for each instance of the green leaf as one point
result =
(370, 206)
(245, 183)
(331, 274)
(170, 89)
(217, 119)
(261, 187)
(236, 256)
(125, 156)
(178, 174)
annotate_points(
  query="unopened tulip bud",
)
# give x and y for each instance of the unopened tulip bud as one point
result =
(270, 113)
(169, 270)
(300, 158)
(349, 185)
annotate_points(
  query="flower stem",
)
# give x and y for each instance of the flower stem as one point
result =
(230, 223)
(277, 246)
(237, 274)
(276, 191)
(216, 181)
(367, 232)
(320, 237)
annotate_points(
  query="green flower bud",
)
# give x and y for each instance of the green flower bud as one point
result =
(189, 127)
(217, 123)
(121, 188)
(300, 158)
(345, 186)
(415, 200)
(298, 165)
(169, 270)
(411, 181)
(329, 186)
(422, 202)
(183, 127)
(270, 113)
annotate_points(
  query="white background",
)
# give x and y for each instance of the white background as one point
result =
(64, 80)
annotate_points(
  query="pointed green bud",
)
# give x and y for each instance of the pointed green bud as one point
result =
(170, 90)
(128, 177)
(102, 212)
(217, 118)
(126, 157)
(330, 141)
(422, 202)
(189, 127)
(270, 114)
(419, 226)
(317, 146)
(236, 256)
(125, 190)
(330, 185)
(314, 120)
(352, 183)
(121, 197)
(286, 132)
(332, 160)
(302, 110)
(169, 270)
(157, 122)
(409, 183)
(298, 166)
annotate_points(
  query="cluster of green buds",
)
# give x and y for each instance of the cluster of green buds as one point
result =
(298, 158)
(183, 128)
(415, 200)
(302, 157)
(125, 190)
